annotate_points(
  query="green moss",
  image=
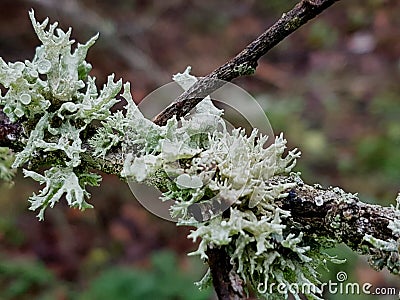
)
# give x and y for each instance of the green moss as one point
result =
(293, 24)
(244, 69)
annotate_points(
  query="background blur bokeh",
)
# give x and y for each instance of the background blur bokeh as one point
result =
(332, 88)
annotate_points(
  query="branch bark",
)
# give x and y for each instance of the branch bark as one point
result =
(226, 283)
(333, 214)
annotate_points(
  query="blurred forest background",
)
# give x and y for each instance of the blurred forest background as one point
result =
(332, 88)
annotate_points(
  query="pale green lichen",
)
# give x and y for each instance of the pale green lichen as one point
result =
(395, 224)
(135, 131)
(60, 181)
(6, 161)
(56, 98)
(385, 253)
(293, 24)
(244, 69)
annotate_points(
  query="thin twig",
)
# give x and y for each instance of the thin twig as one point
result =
(245, 62)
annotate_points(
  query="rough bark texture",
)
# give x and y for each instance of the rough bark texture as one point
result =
(343, 220)
(226, 283)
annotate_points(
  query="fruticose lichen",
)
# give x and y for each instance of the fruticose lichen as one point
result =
(244, 69)
(201, 163)
(395, 225)
(56, 99)
(6, 161)
(386, 253)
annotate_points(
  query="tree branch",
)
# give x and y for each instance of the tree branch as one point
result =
(338, 215)
(343, 218)
(245, 62)
(226, 283)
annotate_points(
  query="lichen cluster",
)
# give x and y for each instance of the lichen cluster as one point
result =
(200, 162)
(56, 100)
(386, 253)
(6, 161)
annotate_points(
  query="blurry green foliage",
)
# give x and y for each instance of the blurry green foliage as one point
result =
(322, 35)
(358, 18)
(27, 279)
(164, 281)
(24, 279)
(340, 140)
(377, 150)
(286, 114)
(10, 233)
(378, 153)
